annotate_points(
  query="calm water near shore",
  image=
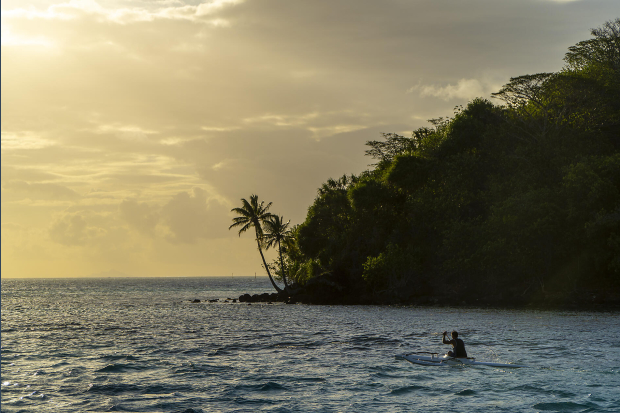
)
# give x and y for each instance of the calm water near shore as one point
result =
(140, 345)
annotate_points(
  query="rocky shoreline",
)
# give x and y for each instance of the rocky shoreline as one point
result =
(559, 302)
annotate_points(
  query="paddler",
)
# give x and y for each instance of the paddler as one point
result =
(458, 346)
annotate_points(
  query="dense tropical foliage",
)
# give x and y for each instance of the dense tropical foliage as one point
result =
(502, 203)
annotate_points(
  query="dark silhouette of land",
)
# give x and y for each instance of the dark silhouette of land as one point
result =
(512, 203)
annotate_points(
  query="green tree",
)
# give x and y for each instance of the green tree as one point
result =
(395, 273)
(392, 145)
(602, 49)
(253, 215)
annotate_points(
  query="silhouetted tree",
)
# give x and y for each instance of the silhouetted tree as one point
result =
(275, 233)
(253, 215)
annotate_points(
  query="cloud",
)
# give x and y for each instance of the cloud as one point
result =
(11, 226)
(191, 217)
(74, 230)
(129, 132)
(464, 89)
(283, 120)
(325, 131)
(140, 215)
(32, 173)
(41, 190)
(75, 9)
(24, 140)
(226, 163)
(187, 218)
(220, 128)
(319, 124)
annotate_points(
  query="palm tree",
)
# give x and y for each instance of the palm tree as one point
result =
(276, 232)
(253, 214)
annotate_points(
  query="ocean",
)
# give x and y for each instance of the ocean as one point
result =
(142, 345)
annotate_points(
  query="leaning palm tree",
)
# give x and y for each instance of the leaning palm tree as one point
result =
(276, 232)
(253, 214)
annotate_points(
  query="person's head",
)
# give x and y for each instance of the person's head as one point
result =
(455, 334)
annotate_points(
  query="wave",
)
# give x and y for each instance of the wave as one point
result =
(563, 406)
(375, 340)
(299, 345)
(407, 389)
(310, 379)
(168, 388)
(269, 386)
(206, 369)
(119, 368)
(114, 357)
(540, 389)
(112, 389)
(272, 386)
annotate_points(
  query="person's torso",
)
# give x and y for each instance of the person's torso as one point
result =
(459, 348)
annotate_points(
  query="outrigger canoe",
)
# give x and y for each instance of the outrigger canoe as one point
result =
(433, 359)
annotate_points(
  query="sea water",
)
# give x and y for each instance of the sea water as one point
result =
(141, 345)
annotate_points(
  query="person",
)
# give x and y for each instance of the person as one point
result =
(458, 346)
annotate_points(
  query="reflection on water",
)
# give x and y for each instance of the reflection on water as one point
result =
(141, 345)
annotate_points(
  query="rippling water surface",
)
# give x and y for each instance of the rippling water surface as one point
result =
(140, 345)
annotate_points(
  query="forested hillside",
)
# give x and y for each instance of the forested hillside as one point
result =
(508, 202)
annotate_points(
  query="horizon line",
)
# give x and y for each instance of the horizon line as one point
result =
(135, 276)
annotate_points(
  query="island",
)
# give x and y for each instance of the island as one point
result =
(511, 203)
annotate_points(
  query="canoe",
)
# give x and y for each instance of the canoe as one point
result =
(434, 359)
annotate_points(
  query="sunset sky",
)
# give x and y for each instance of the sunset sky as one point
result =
(131, 128)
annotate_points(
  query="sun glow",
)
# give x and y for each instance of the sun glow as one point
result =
(11, 39)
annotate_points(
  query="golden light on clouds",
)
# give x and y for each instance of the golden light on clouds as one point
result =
(131, 128)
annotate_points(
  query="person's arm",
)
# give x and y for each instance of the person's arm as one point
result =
(445, 333)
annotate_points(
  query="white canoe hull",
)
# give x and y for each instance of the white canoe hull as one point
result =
(433, 359)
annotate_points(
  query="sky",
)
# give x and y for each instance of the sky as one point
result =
(131, 128)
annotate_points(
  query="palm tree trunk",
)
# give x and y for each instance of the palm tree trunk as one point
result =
(278, 289)
(282, 267)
